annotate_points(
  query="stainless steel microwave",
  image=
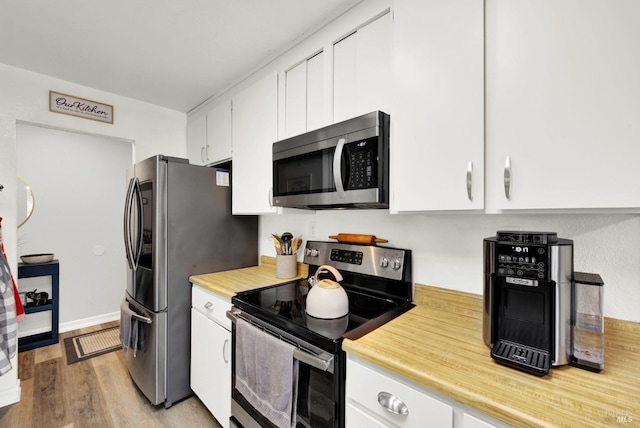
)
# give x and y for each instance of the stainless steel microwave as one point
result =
(344, 165)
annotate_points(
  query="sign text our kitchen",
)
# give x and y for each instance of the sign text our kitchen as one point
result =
(80, 107)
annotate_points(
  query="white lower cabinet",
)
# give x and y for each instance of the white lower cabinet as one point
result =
(211, 353)
(376, 397)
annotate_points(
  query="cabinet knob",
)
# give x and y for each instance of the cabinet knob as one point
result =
(208, 305)
(392, 404)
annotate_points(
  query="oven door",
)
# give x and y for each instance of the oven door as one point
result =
(321, 378)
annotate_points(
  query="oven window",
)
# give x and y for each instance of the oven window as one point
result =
(316, 400)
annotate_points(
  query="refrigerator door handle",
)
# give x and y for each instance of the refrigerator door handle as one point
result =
(127, 223)
(146, 320)
(138, 198)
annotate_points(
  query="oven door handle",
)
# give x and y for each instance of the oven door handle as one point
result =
(298, 354)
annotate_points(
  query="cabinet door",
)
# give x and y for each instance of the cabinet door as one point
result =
(469, 421)
(362, 70)
(563, 101)
(197, 140)
(355, 417)
(304, 95)
(255, 129)
(211, 366)
(219, 132)
(437, 150)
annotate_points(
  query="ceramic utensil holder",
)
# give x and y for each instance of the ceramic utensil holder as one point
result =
(286, 265)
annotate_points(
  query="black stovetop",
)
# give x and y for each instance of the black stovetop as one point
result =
(283, 305)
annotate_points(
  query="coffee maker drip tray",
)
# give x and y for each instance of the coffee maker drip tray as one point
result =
(521, 357)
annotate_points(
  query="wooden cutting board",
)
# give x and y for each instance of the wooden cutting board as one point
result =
(354, 238)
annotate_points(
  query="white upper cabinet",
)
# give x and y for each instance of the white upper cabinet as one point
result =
(255, 129)
(209, 135)
(362, 70)
(197, 139)
(563, 104)
(304, 94)
(437, 124)
(219, 132)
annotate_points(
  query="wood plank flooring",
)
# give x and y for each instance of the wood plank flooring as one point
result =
(93, 393)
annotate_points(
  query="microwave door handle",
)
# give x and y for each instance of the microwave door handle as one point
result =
(337, 173)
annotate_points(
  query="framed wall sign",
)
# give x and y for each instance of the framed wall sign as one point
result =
(80, 107)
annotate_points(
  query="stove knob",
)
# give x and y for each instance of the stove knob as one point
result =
(312, 252)
(384, 262)
(397, 264)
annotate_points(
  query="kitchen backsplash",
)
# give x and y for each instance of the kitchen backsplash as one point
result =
(447, 248)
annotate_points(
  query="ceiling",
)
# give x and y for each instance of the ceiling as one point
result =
(172, 53)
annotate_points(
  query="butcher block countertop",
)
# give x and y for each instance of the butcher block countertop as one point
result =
(438, 344)
(228, 283)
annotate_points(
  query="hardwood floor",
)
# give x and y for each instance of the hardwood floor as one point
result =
(93, 393)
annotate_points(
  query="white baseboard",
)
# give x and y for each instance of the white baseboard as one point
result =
(10, 395)
(87, 322)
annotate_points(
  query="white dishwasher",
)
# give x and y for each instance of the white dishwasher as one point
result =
(211, 352)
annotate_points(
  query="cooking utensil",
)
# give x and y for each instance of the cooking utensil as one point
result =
(286, 240)
(327, 299)
(354, 238)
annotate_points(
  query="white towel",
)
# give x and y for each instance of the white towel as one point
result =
(266, 373)
(128, 329)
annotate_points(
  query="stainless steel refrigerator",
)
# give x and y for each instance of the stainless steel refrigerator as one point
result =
(177, 223)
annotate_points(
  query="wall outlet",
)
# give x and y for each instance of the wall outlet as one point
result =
(312, 229)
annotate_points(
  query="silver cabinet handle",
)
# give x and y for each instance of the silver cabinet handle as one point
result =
(507, 177)
(202, 154)
(337, 173)
(270, 197)
(224, 353)
(470, 180)
(208, 305)
(392, 404)
(206, 152)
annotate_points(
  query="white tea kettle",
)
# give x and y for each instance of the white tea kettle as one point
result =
(327, 299)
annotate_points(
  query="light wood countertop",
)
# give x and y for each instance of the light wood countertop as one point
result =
(228, 283)
(438, 344)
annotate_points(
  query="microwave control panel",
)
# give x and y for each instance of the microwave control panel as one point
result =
(362, 157)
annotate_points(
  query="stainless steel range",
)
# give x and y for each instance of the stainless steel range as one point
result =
(378, 284)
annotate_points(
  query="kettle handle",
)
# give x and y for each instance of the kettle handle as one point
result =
(331, 269)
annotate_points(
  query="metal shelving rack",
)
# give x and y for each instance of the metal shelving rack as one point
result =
(30, 270)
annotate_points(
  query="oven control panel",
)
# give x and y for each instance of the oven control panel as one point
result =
(392, 263)
(346, 256)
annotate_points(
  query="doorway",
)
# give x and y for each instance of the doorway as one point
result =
(78, 181)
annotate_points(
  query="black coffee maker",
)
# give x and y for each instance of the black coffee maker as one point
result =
(527, 299)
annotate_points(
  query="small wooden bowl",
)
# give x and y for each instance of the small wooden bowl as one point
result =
(37, 258)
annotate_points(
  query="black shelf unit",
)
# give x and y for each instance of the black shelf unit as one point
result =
(31, 270)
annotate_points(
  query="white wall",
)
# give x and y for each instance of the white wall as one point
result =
(24, 98)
